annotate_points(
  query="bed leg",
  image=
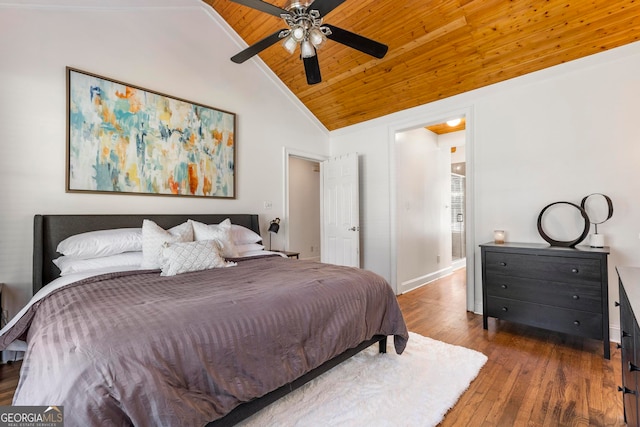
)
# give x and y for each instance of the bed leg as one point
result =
(383, 345)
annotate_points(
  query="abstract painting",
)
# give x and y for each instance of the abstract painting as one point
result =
(125, 139)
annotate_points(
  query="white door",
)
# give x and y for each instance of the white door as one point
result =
(340, 211)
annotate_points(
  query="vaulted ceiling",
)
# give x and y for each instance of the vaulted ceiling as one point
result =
(437, 48)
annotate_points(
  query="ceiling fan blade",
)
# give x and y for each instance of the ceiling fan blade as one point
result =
(312, 70)
(256, 48)
(325, 6)
(262, 7)
(355, 41)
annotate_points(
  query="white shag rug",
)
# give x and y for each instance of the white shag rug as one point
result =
(416, 388)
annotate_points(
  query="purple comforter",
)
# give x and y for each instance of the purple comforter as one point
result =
(137, 348)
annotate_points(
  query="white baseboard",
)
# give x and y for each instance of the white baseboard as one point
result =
(614, 334)
(477, 307)
(417, 282)
(459, 263)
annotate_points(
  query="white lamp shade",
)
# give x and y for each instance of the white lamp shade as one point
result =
(306, 49)
(316, 37)
(298, 33)
(289, 43)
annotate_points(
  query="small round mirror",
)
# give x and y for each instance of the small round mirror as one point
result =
(598, 207)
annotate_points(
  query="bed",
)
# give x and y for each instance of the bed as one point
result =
(207, 347)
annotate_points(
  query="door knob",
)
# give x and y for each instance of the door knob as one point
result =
(354, 229)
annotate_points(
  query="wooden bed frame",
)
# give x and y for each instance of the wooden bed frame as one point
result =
(49, 230)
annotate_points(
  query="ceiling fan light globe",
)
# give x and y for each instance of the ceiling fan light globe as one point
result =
(298, 33)
(289, 44)
(316, 37)
(306, 49)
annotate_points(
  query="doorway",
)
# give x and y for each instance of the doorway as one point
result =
(458, 214)
(321, 194)
(448, 224)
(302, 203)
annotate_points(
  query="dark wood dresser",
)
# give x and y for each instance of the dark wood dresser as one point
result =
(559, 289)
(629, 287)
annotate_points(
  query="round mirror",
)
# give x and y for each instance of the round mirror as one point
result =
(598, 207)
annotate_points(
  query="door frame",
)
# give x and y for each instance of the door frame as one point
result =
(288, 153)
(428, 119)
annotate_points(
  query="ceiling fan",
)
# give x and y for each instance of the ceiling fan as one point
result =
(304, 19)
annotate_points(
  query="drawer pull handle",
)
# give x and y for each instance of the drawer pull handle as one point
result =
(576, 297)
(626, 390)
(504, 286)
(505, 309)
(633, 368)
(504, 264)
(617, 304)
(625, 334)
(576, 322)
(574, 270)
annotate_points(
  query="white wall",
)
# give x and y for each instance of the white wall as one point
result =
(178, 47)
(454, 139)
(558, 134)
(422, 206)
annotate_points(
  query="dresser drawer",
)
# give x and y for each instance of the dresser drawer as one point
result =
(576, 296)
(575, 322)
(561, 269)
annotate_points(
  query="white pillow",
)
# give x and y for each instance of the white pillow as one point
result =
(193, 256)
(220, 233)
(101, 243)
(69, 265)
(249, 247)
(154, 237)
(242, 235)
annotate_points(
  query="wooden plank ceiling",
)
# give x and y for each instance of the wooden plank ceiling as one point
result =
(442, 128)
(437, 48)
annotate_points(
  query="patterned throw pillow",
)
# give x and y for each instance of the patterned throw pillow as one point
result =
(192, 256)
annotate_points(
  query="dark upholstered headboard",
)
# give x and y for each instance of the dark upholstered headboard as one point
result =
(49, 230)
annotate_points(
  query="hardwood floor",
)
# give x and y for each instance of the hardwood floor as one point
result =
(533, 377)
(8, 382)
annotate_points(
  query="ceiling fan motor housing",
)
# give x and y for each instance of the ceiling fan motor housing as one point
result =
(295, 4)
